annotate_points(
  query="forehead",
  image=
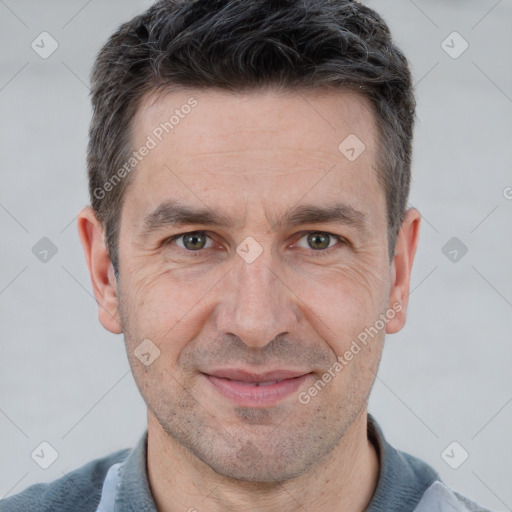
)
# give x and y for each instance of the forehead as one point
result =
(265, 147)
(310, 118)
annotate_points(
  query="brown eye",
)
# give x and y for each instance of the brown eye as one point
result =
(193, 241)
(319, 241)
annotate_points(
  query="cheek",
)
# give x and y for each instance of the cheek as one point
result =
(157, 304)
(341, 301)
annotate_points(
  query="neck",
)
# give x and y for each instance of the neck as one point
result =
(344, 480)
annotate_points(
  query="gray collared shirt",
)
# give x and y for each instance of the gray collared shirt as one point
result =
(119, 483)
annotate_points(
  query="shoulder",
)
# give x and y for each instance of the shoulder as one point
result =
(442, 498)
(77, 491)
(407, 483)
(437, 495)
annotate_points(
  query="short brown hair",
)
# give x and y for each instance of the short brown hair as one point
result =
(243, 45)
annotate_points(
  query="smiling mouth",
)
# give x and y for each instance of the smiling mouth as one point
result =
(269, 383)
(252, 391)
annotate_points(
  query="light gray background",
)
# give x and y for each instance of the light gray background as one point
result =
(446, 377)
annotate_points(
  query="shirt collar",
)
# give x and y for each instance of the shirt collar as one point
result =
(402, 478)
(134, 493)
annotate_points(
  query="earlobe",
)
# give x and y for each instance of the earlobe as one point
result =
(400, 275)
(103, 280)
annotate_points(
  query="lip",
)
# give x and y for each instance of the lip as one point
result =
(248, 389)
(245, 376)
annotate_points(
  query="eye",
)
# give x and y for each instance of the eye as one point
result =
(320, 241)
(193, 241)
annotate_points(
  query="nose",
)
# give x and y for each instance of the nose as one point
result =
(256, 303)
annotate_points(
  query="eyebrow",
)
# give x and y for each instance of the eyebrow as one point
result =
(174, 213)
(339, 213)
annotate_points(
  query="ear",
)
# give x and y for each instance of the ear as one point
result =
(405, 250)
(100, 269)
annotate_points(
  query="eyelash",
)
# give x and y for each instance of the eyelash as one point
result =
(318, 253)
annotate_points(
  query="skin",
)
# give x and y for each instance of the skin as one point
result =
(253, 156)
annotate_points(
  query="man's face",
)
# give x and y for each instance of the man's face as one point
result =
(257, 297)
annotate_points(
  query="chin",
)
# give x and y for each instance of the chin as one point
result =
(265, 463)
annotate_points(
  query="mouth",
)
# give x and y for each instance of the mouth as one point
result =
(247, 389)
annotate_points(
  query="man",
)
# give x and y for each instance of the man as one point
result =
(249, 169)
